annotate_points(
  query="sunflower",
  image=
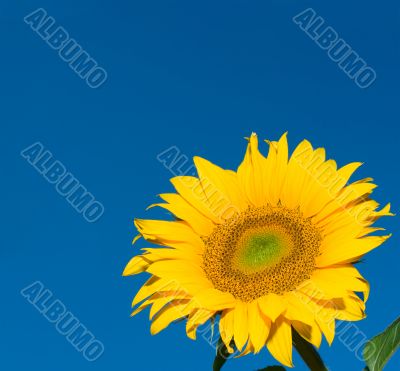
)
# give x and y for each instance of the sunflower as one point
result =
(268, 249)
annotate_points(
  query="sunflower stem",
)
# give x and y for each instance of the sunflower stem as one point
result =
(308, 353)
(221, 356)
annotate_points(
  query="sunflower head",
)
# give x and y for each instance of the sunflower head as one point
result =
(267, 249)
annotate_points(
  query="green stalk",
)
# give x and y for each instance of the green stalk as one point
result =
(308, 353)
(221, 356)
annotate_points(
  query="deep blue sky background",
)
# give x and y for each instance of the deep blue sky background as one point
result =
(197, 75)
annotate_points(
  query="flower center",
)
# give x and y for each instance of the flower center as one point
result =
(262, 250)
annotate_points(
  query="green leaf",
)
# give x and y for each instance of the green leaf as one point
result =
(379, 349)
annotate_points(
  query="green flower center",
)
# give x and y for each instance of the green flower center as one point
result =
(261, 250)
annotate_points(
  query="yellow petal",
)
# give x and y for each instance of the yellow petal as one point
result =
(272, 305)
(323, 313)
(349, 251)
(280, 341)
(310, 180)
(221, 188)
(160, 299)
(226, 328)
(162, 232)
(318, 194)
(350, 308)
(213, 299)
(350, 221)
(310, 333)
(191, 332)
(302, 317)
(345, 197)
(335, 282)
(136, 265)
(249, 348)
(375, 215)
(311, 165)
(136, 238)
(259, 326)
(186, 246)
(347, 308)
(167, 315)
(142, 306)
(344, 174)
(158, 305)
(196, 318)
(156, 254)
(282, 156)
(240, 324)
(151, 286)
(180, 272)
(327, 326)
(298, 309)
(296, 175)
(191, 189)
(178, 206)
(253, 174)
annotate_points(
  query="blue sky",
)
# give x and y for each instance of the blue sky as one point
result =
(199, 76)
